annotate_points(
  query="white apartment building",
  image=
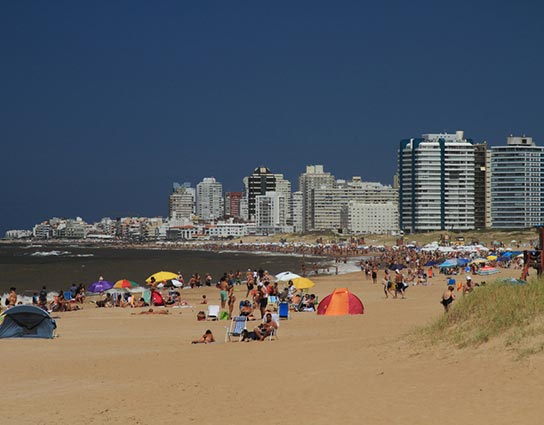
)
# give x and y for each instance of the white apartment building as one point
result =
(181, 204)
(436, 179)
(209, 199)
(330, 204)
(298, 217)
(314, 178)
(373, 218)
(271, 213)
(228, 230)
(516, 189)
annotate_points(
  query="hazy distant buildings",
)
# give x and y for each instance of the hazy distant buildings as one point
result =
(209, 196)
(314, 178)
(516, 191)
(436, 183)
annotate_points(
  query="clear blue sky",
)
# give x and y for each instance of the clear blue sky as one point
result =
(105, 103)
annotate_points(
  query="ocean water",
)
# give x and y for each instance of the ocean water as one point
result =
(28, 268)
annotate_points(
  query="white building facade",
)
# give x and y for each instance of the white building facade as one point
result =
(516, 190)
(372, 218)
(209, 199)
(436, 183)
(314, 178)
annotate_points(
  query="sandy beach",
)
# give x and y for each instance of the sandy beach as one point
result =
(111, 366)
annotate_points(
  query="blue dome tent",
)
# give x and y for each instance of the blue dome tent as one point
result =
(26, 321)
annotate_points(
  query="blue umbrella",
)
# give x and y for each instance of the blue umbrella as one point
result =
(100, 286)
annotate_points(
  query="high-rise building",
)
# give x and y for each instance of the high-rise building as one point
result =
(297, 217)
(261, 181)
(209, 196)
(181, 203)
(314, 178)
(271, 211)
(232, 204)
(516, 184)
(480, 177)
(436, 183)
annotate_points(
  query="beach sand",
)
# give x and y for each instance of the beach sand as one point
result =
(110, 366)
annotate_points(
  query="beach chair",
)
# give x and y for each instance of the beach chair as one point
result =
(147, 296)
(213, 312)
(272, 302)
(283, 310)
(237, 325)
(68, 295)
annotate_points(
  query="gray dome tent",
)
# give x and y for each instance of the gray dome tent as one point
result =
(26, 321)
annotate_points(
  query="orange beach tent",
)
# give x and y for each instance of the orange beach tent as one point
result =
(340, 302)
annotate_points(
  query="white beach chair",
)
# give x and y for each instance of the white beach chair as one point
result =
(213, 312)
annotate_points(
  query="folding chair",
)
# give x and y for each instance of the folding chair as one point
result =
(283, 310)
(213, 312)
(237, 325)
(272, 302)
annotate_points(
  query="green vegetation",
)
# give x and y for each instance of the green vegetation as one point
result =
(512, 314)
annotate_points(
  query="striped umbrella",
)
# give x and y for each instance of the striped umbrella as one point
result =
(125, 283)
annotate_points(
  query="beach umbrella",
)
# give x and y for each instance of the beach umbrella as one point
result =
(397, 267)
(125, 283)
(162, 277)
(491, 257)
(302, 283)
(100, 286)
(176, 283)
(286, 276)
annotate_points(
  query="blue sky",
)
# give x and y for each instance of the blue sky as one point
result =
(105, 103)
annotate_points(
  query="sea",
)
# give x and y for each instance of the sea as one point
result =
(29, 267)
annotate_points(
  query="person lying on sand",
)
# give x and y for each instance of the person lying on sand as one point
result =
(151, 311)
(207, 338)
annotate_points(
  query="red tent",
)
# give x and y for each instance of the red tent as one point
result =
(340, 302)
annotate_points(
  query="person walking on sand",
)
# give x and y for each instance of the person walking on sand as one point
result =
(231, 299)
(447, 298)
(223, 291)
(399, 284)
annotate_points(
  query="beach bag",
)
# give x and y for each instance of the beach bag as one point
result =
(224, 315)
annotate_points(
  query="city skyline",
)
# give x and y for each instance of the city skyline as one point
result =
(105, 105)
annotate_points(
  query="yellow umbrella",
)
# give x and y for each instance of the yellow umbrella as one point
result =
(161, 277)
(302, 283)
(491, 257)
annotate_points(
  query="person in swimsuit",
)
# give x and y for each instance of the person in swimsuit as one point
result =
(223, 293)
(207, 338)
(231, 299)
(447, 298)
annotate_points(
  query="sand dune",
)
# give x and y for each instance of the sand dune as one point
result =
(109, 366)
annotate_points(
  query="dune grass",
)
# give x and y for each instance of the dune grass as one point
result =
(514, 313)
